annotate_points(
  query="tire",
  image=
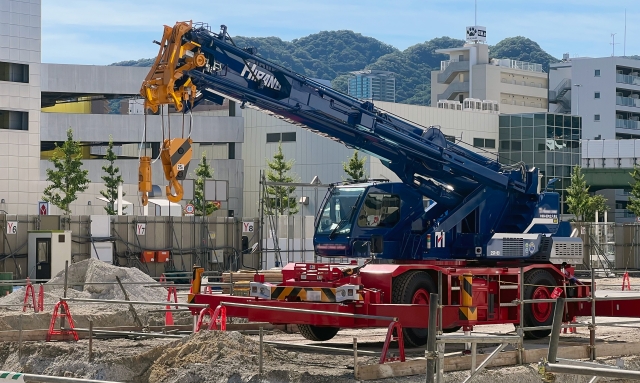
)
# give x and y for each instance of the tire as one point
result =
(413, 287)
(538, 285)
(317, 333)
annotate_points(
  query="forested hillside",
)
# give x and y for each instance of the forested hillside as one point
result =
(331, 55)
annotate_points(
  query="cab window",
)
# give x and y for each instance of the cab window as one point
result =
(379, 210)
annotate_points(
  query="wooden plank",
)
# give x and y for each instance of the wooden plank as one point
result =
(418, 366)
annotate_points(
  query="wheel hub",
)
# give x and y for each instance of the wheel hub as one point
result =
(541, 311)
(420, 297)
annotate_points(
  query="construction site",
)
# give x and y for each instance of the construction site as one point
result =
(463, 268)
(143, 342)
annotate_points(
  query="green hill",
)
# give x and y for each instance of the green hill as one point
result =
(331, 55)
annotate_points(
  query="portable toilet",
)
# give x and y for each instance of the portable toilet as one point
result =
(47, 252)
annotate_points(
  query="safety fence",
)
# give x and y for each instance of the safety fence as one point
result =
(610, 245)
(215, 243)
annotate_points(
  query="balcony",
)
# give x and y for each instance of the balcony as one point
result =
(515, 64)
(627, 124)
(627, 79)
(628, 101)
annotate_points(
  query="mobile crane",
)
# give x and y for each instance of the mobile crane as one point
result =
(488, 221)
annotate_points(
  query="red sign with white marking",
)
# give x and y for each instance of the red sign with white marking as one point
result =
(12, 227)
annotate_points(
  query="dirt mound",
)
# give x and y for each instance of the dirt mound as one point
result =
(221, 356)
(80, 274)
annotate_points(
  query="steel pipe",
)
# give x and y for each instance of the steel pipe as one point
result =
(317, 312)
(431, 338)
(478, 339)
(45, 379)
(134, 302)
(555, 331)
(591, 371)
(148, 334)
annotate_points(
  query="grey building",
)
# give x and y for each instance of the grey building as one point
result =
(77, 97)
(605, 92)
(547, 141)
(373, 85)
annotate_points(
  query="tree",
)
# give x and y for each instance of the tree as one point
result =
(597, 203)
(67, 178)
(203, 172)
(355, 168)
(281, 199)
(634, 200)
(111, 179)
(580, 202)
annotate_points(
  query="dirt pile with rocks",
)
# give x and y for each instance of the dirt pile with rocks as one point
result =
(81, 275)
(205, 357)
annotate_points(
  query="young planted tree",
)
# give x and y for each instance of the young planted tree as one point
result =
(67, 178)
(580, 202)
(112, 179)
(634, 200)
(355, 168)
(281, 199)
(203, 172)
(578, 197)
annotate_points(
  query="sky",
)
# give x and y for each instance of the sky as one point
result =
(100, 32)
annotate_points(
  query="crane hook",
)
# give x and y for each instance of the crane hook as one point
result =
(176, 155)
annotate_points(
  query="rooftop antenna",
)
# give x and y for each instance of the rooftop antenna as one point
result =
(476, 13)
(624, 46)
(613, 43)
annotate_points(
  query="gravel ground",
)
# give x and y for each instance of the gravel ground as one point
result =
(232, 357)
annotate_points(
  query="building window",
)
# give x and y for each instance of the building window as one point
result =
(273, 137)
(596, 117)
(597, 73)
(289, 137)
(281, 137)
(14, 120)
(14, 72)
(484, 143)
(596, 95)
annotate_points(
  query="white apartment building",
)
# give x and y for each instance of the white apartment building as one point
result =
(605, 91)
(518, 87)
(19, 106)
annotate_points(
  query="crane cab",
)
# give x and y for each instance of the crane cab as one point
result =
(352, 214)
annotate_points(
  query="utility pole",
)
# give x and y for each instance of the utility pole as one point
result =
(613, 44)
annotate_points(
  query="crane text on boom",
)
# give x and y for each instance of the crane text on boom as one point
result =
(268, 79)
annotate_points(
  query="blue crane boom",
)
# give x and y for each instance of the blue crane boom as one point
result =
(483, 210)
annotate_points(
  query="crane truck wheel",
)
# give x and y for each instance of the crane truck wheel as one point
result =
(538, 285)
(317, 333)
(413, 287)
